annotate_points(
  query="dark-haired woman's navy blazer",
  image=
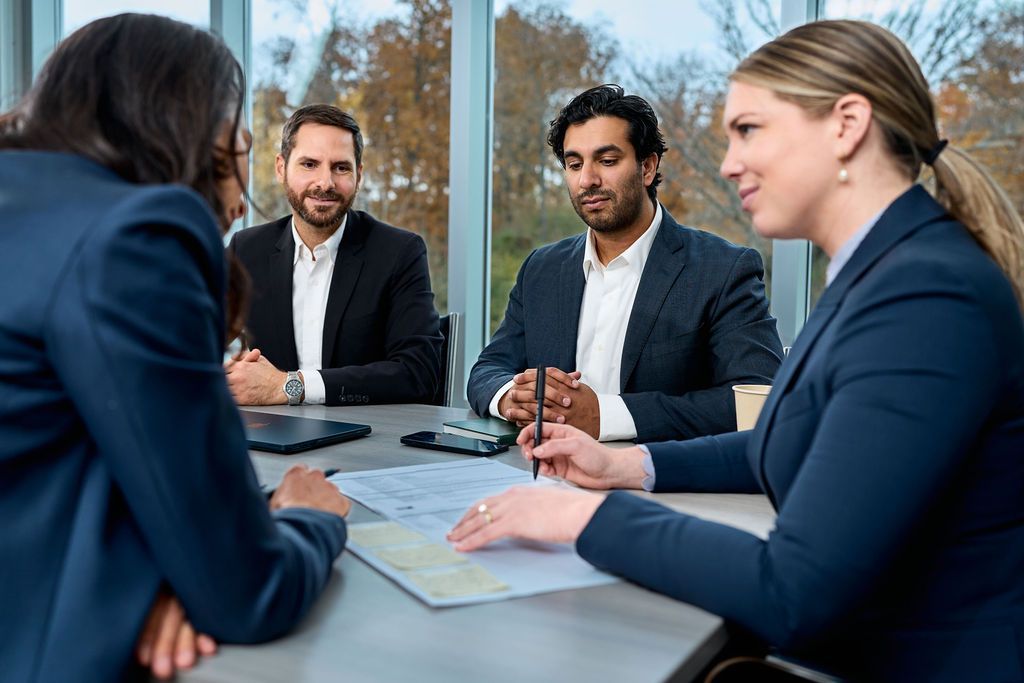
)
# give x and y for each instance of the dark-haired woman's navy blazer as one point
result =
(892, 447)
(123, 462)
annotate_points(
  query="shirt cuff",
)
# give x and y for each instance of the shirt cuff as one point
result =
(316, 392)
(648, 483)
(616, 420)
(493, 408)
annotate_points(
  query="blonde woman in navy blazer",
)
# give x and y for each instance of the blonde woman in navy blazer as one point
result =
(892, 444)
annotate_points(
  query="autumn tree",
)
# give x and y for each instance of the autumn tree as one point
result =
(542, 59)
(404, 103)
(982, 100)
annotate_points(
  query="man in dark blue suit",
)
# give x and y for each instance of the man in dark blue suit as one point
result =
(645, 325)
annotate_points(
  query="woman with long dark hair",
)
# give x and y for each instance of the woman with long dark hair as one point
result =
(124, 472)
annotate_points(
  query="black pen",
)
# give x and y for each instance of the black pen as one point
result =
(269, 491)
(541, 371)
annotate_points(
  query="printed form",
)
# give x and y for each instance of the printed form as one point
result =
(422, 503)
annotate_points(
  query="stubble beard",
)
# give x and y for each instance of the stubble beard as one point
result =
(624, 209)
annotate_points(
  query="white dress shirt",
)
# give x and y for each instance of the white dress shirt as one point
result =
(604, 315)
(312, 273)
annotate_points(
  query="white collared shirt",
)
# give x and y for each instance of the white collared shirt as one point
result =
(312, 273)
(604, 315)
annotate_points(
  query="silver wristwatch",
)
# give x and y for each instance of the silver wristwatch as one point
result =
(293, 388)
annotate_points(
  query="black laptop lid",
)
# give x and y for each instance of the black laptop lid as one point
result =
(291, 434)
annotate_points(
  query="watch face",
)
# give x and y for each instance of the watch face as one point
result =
(293, 387)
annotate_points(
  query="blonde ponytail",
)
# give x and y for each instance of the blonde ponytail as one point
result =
(973, 197)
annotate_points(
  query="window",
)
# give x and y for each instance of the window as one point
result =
(972, 54)
(387, 63)
(546, 53)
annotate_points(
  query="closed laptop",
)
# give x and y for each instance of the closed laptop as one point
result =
(291, 434)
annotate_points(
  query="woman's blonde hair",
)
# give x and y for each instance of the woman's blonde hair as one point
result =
(815, 64)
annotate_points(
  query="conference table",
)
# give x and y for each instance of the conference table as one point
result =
(366, 628)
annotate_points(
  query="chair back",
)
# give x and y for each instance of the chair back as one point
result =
(450, 331)
(768, 670)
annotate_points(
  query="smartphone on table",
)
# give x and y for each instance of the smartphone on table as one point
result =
(453, 443)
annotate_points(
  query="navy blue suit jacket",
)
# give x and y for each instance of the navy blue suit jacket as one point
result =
(123, 462)
(892, 446)
(699, 325)
(382, 342)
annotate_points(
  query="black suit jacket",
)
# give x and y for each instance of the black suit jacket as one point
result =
(699, 325)
(381, 337)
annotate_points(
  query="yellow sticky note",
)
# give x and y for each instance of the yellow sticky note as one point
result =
(420, 556)
(376, 534)
(468, 579)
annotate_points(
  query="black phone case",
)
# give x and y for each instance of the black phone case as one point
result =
(434, 446)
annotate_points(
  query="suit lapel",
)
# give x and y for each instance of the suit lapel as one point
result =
(909, 213)
(789, 370)
(281, 267)
(347, 267)
(570, 284)
(664, 263)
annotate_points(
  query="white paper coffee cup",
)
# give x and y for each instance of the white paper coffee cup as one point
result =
(750, 399)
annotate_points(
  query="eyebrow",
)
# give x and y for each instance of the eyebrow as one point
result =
(597, 152)
(342, 162)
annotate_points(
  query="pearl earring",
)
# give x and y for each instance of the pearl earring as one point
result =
(843, 175)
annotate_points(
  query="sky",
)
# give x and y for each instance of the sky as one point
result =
(644, 28)
(688, 27)
(77, 13)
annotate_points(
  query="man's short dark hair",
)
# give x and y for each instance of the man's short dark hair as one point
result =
(611, 100)
(325, 115)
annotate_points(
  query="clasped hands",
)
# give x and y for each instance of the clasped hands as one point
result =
(567, 400)
(254, 381)
(551, 513)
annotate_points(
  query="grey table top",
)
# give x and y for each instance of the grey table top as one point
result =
(365, 628)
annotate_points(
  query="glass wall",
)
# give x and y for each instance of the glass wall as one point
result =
(546, 53)
(78, 13)
(972, 53)
(387, 63)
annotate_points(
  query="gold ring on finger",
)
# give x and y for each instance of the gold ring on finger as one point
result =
(482, 509)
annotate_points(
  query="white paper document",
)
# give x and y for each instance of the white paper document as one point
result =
(423, 502)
